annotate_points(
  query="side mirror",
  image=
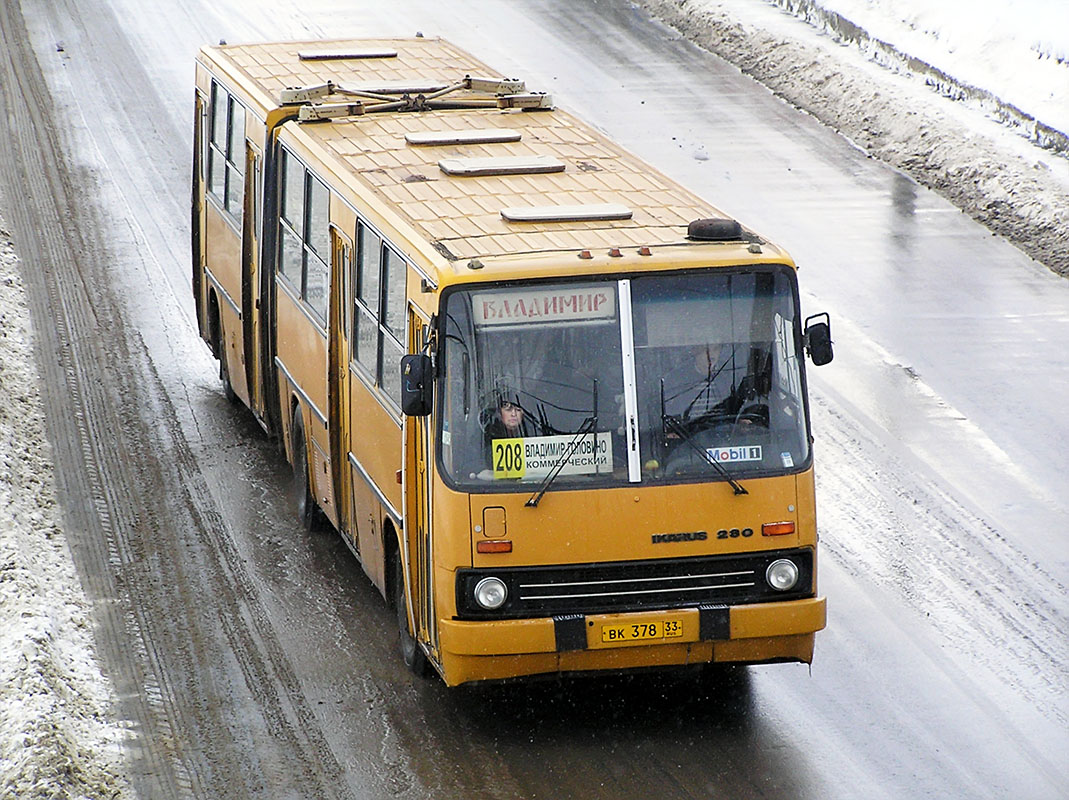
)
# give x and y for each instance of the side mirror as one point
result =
(818, 339)
(417, 384)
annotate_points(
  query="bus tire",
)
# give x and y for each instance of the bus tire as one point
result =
(308, 513)
(215, 327)
(224, 375)
(411, 653)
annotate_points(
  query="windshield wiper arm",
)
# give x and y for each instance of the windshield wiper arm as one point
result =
(707, 383)
(672, 424)
(590, 425)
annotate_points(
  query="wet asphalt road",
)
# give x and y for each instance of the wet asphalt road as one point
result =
(254, 661)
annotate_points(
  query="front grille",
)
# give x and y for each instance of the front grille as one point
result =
(634, 585)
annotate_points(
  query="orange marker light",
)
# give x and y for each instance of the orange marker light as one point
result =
(584, 254)
(615, 252)
(645, 251)
(494, 546)
(777, 528)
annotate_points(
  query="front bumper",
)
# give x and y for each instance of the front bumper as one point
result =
(752, 633)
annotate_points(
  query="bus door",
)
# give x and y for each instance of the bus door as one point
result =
(250, 265)
(417, 499)
(338, 388)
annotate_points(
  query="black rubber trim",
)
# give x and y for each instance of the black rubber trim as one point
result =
(570, 632)
(714, 623)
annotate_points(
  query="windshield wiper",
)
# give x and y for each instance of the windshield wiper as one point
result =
(675, 426)
(590, 425)
(705, 385)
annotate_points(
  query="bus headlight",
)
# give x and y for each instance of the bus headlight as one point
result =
(490, 593)
(781, 575)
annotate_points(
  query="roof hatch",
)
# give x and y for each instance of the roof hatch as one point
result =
(503, 165)
(580, 213)
(483, 136)
(333, 55)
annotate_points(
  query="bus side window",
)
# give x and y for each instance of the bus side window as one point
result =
(316, 273)
(394, 270)
(291, 222)
(366, 312)
(226, 151)
(235, 160)
(217, 142)
(304, 235)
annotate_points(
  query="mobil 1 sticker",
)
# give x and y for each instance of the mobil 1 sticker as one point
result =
(730, 455)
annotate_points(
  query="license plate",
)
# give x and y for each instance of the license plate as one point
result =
(641, 631)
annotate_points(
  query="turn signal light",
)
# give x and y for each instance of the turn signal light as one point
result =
(777, 528)
(494, 546)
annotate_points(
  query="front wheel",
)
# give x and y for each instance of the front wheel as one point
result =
(411, 653)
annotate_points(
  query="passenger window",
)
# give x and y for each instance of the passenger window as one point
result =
(316, 287)
(216, 145)
(235, 172)
(304, 236)
(367, 289)
(391, 369)
(293, 193)
(394, 312)
(379, 312)
(319, 218)
(366, 341)
(289, 261)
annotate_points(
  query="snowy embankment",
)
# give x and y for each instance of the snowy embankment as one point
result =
(969, 97)
(58, 738)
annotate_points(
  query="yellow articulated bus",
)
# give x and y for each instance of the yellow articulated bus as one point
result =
(553, 402)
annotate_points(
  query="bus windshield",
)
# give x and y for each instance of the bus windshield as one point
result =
(658, 378)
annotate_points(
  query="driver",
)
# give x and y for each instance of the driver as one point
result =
(703, 384)
(505, 419)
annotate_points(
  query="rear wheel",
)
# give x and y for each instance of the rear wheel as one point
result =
(224, 374)
(411, 653)
(219, 349)
(308, 513)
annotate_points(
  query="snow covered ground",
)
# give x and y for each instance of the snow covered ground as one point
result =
(960, 94)
(58, 738)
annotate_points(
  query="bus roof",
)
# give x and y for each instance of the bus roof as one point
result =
(472, 179)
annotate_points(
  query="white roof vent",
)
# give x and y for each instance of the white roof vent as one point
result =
(505, 165)
(484, 136)
(582, 213)
(337, 55)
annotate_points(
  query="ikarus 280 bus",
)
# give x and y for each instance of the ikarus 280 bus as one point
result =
(554, 402)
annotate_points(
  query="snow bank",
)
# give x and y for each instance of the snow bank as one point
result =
(57, 739)
(1010, 59)
(1003, 180)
